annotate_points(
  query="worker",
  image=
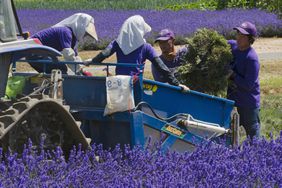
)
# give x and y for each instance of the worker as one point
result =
(244, 87)
(131, 47)
(171, 57)
(64, 37)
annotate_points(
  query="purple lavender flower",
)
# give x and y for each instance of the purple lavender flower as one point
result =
(256, 163)
(184, 22)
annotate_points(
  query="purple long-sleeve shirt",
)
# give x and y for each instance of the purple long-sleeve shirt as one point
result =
(172, 65)
(57, 38)
(138, 57)
(246, 92)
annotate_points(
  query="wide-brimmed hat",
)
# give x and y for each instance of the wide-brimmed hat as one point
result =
(91, 30)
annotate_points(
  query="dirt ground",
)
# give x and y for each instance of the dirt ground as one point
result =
(269, 49)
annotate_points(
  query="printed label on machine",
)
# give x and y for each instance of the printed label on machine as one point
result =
(173, 130)
(149, 89)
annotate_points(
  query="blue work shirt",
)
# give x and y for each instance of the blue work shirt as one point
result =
(57, 38)
(246, 92)
(138, 57)
(172, 65)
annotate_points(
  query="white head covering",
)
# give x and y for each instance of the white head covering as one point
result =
(80, 23)
(131, 35)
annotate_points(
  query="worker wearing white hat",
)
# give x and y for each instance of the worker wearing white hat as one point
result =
(64, 37)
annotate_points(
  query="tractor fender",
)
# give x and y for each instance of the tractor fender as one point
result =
(23, 48)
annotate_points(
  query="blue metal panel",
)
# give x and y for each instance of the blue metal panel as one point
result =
(137, 129)
(85, 92)
(169, 100)
(106, 130)
(108, 133)
(166, 145)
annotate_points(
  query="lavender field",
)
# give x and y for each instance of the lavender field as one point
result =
(184, 22)
(255, 164)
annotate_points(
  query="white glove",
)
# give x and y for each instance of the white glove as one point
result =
(184, 87)
(69, 55)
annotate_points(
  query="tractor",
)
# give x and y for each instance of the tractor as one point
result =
(68, 110)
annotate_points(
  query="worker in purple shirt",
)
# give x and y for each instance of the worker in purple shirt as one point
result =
(64, 37)
(244, 87)
(171, 58)
(131, 47)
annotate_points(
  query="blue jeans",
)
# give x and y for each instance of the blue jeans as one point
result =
(249, 119)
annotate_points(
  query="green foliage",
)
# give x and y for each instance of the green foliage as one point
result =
(236, 3)
(88, 44)
(271, 99)
(207, 58)
(14, 86)
(196, 5)
(96, 4)
(271, 115)
(272, 6)
(221, 4)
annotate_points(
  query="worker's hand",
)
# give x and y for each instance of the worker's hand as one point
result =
(184, 87)
(230, 74)
(87, 62)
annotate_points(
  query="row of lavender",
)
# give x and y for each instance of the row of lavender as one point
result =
(184, 23)
(255, 164)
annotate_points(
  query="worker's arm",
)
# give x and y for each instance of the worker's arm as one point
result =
(101, 56)
(70, 55)
(65, 38)
(160, 66)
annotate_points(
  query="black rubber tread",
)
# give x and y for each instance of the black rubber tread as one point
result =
(9, 112)
(38, 117)
(4, 105)
(20, 106)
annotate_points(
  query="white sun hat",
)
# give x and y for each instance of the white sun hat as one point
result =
(131, 35)
(80, 23)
